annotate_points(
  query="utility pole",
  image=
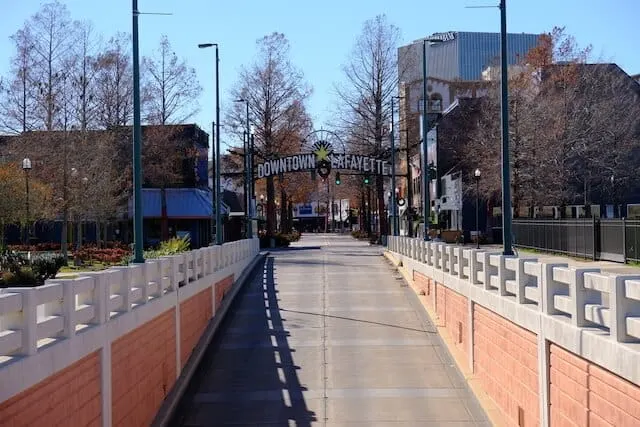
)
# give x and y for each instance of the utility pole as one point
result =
(506, 184)
(138, 237)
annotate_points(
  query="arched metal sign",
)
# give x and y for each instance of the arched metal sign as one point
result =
(323, 159)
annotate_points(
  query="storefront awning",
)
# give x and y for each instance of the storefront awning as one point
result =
(182, 203)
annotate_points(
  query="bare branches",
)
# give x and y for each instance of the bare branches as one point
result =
(573, 128)
(114, 83)
(371, 80)
(171, 88)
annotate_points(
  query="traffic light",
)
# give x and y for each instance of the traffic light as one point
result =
(367, 180)
(338, 178)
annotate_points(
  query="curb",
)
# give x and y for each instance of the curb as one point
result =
(170, 404)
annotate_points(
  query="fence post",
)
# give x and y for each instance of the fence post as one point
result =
(594, 233)
(624, 240)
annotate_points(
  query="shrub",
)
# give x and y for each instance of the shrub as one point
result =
(46, 266)
(16, 270)
(170, 247)
(12, 261)
(175, 245)
(22, 278)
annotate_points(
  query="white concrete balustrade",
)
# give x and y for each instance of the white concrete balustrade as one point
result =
(592, 313)
(67, 312)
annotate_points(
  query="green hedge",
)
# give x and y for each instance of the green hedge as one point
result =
(16, 270)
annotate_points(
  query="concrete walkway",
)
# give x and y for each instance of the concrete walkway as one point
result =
(328, 334)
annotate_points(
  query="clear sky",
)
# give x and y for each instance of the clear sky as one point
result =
(322, 33)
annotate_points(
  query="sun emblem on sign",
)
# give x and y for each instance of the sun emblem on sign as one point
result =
(322, 150)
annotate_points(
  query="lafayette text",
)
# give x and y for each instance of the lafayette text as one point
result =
(300, 162)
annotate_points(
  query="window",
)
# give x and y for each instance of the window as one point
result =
(435, 102)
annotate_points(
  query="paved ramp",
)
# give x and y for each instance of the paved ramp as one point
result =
(328, 334)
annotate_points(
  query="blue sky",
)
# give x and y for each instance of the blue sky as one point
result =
(322, 33)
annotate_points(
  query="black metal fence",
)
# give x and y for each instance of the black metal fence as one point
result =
(599, 239)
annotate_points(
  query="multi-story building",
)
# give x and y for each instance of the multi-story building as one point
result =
(455, 69)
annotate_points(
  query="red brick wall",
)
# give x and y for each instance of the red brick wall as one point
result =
(222, 287)
(440, 304)
(585, 394)
(70, 397)
(143, 370)
(456, 321)
(195, 314)
(425, 284)
(505, 362)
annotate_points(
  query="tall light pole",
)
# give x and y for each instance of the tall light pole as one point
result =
(247, 174)
(504, 117)
(138, 237)
(252, 190)
(476, 176)
(392, 208)
(426, 203)
(26, 167)
(216, 151)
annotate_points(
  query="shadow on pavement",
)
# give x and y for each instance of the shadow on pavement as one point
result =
(294, 248)
(248, 376)
(359, 321)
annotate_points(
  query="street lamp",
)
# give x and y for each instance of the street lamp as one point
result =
(247, 177)
(216, 152)
(426, 204)
(476, 175)
(26, 167)
(138, 236)
(504, 117)
(394, 230)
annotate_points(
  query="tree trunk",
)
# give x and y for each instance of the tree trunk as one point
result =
(284, 220)
(271, 211)
(64, 232)
(164, 220)
(98, 234)
(290, 216)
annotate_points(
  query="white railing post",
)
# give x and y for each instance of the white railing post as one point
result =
(620, 307)
(504, 274)
(488, 270)
(522, 280)
(473, 266)
(25, 320)
(580, 296)
(550, 287)
(100, 296)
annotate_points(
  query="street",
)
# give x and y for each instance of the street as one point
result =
(327, 333)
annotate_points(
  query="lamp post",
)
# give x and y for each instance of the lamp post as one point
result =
(216, 152)
(394, 229)
(476, 175)
(26, 167)
(504, 117)
(426, 203)
(138, 254)
(247, 176)
(252, 190)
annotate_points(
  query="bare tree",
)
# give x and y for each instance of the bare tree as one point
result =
(52, 36)
(83, 72)
(276, 92)
(17, 95)
(114, 83)
(171, 87)
(371, 75)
